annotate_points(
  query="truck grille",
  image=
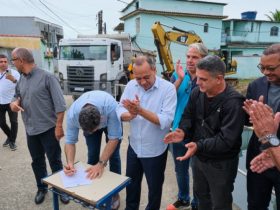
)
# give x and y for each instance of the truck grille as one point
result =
(80, 77)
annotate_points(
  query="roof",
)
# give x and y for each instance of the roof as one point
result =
(248, 20)
(119, 27)
(180, 14)
(18, 35)
(34, 18)
(128, 5)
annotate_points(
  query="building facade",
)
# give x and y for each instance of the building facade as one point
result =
(240, 40)
(38, 35)
(244, 40)
(140, 15)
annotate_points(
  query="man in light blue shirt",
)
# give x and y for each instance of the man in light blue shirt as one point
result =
(94, 112)
(149, 103)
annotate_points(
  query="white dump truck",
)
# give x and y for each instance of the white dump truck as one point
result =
(95, 62)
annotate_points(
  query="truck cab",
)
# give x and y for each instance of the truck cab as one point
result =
(87, 64)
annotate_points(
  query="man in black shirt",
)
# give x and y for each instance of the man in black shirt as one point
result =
(213, 121)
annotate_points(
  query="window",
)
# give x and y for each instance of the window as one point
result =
(227, 31)
(206, 26)
(137, 25)
(83, 52)
(274, 31)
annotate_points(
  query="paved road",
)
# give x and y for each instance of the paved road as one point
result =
(17, 182)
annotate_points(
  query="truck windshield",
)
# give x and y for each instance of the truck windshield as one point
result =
(82, 52)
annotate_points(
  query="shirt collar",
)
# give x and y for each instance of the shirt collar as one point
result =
(30, 73)
(155, 85)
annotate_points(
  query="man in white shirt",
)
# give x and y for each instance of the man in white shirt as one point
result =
(148, 103)
(8, 80)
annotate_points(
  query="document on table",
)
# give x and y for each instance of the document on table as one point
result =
(78, 179)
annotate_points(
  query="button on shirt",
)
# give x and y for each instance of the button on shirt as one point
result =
(106, 105)
(146, 138)
(7, 87)
(41, 98)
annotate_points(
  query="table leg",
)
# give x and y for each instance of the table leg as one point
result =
(108, 203)
(55, 201)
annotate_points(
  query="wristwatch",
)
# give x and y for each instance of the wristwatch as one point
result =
(268, 141)
(103, 163)
(15, 81)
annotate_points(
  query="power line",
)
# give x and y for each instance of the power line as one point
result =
(71, 13)
(123, 2)
(36, 7)
(192, 23)
(215, 27)
(67, 24)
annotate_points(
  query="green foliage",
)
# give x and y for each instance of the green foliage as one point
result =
(275, 16)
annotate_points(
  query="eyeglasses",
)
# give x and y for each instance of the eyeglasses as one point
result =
(146, 77)
(14, 59)
(268, 68)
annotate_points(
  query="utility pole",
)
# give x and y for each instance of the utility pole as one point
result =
(104, 29)
(100, 21)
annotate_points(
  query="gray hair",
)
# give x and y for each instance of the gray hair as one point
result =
(89, 118)
(139, 60)
(24, 54)
(213, 64)
(272, 49)
(200, 47)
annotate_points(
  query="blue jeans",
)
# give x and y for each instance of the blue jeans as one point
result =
(94, 143)
(153, 168)
(39, 145)
(182, 172)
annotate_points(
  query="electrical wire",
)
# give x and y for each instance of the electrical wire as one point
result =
(67, 24)
(65, 11)
(192, 23)
(38, 8)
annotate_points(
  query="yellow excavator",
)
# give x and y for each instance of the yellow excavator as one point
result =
(163, 40)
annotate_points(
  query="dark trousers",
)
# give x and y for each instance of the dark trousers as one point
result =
(182, 172)
(153, 168)
(259, 187)
(11, 133)
(213, 183)
(94, 143)
(39, 145)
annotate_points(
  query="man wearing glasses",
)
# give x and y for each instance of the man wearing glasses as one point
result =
(266, 89)
(8, 80)
(148, 103)
(39, 98)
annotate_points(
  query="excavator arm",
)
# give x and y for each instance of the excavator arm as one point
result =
(163, 40)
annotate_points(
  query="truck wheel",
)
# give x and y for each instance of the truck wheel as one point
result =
(122, 81)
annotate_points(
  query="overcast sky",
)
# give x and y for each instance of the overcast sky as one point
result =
(80, 16)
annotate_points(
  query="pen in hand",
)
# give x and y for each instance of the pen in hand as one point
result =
(69, 170)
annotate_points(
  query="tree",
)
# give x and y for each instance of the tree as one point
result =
(275, 16)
